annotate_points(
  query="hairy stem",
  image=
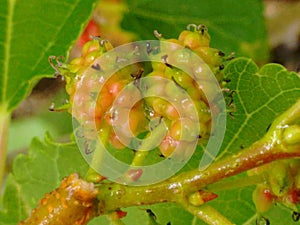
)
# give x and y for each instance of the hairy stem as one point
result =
(4, 124)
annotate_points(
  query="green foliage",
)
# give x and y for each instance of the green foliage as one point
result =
(233, 27)
(259, 95)
(36, 29)
(29, 182)
(30, 32)
(37, 173)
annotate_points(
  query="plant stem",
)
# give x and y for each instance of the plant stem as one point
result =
(113, 196)
(208, 215)
(176, 189)
(4, 124)
(156, 134)
(92, 175)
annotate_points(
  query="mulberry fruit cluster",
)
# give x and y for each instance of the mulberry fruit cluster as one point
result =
(120, 106)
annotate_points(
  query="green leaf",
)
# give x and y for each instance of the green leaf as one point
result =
(37, 173)
(31, 32)
(14, 207)
(259, 96)
(233, 27)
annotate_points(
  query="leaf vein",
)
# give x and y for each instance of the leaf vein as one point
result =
(7, 46)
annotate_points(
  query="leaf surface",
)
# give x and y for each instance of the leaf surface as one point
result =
(233, 27)
(259, 96)
(31, 32)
